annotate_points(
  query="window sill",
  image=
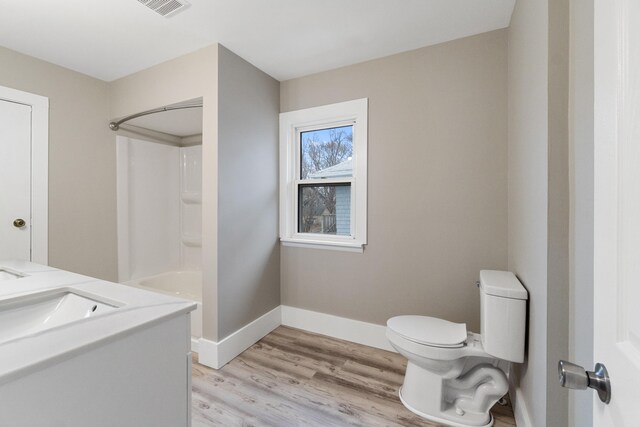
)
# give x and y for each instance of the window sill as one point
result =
(321, 244)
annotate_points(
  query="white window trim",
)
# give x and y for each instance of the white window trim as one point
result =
(355, 111)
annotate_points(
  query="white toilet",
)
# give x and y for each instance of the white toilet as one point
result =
(452, 375)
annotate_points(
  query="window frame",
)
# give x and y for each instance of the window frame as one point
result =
(292, 124)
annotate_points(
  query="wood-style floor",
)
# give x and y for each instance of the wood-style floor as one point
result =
(296, 378)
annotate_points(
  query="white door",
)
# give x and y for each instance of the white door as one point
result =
(15, 181)
(617, 207)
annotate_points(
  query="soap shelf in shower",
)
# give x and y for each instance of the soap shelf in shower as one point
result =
(191, 197)
(192, 240)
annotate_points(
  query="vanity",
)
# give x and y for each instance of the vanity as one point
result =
(78, 351)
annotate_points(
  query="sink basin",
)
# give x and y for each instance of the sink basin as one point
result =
(27, 315)
(9, 275)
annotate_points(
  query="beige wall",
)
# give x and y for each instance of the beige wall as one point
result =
(248, 247)
(528, 184)
(240, 255)
(538, 199)
(188, 77)
(82, 182)
(558, 214)
(82, 190)
(581, 155)
(437, 184)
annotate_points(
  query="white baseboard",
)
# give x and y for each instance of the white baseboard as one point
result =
(217, 354)
(520, 410)
(195, 344)
(208, 354)
(337, 327)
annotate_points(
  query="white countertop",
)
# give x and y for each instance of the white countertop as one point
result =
(136, 309)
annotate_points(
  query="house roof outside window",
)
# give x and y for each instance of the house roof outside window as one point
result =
(336, 171)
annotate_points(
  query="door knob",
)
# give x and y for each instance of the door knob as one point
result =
(576, 377)
(19, 223)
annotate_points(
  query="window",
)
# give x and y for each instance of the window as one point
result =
(323, 176)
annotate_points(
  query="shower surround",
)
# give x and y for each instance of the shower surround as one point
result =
(160, 219)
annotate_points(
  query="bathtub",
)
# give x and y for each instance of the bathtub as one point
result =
(180, 284)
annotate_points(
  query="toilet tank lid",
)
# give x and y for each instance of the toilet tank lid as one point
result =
(429, 330)
(502, 284)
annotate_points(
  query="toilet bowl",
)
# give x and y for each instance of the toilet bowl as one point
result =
(452, 374)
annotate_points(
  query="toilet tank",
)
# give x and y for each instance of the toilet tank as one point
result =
(503, 311)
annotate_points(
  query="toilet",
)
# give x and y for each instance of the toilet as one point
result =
(452, 374)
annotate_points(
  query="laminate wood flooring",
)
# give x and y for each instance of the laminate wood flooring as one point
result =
(296, 378)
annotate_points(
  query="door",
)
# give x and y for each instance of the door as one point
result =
(15, 181)
(617, 207)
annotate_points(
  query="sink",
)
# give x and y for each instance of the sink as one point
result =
(9, 275)
(27, 315)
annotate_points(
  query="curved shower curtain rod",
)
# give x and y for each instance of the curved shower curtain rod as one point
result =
(116, 125)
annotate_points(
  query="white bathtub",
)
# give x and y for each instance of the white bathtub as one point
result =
(181, 284)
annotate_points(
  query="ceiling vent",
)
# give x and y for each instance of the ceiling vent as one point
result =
(166, 8)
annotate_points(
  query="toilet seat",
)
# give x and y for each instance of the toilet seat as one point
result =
(429, 331)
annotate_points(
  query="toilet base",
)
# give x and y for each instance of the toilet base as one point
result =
(438, 419)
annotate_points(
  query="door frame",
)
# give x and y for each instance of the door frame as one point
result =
(39, 169)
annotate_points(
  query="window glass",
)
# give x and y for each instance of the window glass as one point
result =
(324, 209)
(326, 153)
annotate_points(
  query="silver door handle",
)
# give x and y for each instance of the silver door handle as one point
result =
(576, 377)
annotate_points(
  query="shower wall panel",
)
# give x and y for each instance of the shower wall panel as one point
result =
(148, 208)
(191, 207)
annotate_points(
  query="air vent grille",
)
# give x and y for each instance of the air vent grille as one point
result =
(165, 8)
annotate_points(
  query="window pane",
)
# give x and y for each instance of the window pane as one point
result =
(326, 153)
(324, 209)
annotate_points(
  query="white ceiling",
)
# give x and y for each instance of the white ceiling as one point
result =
(109, 39)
